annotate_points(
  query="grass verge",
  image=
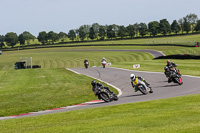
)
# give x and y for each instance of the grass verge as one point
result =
(179, 114)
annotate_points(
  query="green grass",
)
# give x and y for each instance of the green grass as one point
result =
(179, 114)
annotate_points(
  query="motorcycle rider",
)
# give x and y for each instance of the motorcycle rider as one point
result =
(169, 69)
(133, 77)
(96, 85)
(85, 62)
(103, 61)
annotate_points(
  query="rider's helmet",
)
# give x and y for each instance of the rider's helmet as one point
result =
(132, 77)
(168, 62)
(93, 83)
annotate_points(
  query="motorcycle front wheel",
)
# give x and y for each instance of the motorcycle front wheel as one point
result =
(143, 89)
(104, 96)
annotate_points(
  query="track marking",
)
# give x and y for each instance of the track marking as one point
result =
(119, 90)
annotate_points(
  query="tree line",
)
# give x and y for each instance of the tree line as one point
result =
(189, 23)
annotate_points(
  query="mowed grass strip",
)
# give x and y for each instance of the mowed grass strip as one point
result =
(179, 114)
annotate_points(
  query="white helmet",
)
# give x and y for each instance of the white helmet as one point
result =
(103, 57)
(132, 76)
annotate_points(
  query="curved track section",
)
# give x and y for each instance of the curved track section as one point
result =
(120, 78)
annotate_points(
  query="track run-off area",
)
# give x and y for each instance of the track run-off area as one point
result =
(119, 79)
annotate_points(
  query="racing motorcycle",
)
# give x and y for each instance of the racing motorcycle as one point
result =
(86, 64)
(104, 94)
(176, 78)
(174, 75)
(104, 64)
(142, 87)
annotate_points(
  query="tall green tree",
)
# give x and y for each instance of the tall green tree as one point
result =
(72, 35)
(62, 36)
(87, 30)
(122, 32)
(153, 28)
(164, 26)
(110, 32)
(96, 27)
(186, 25)
(175, 27)
(42, 37)
(143, 29)
(11, 39)
(52, 36)
(2, 39)
(25, 36)
(181, 21)
(136, 28)
(81, 33)
(92, 33)
(192, 19)
(102, 32)
(197, 28)
(130, 30)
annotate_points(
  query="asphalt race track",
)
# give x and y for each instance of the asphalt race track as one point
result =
(120, 79)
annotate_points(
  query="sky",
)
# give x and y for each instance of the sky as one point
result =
(35, 16)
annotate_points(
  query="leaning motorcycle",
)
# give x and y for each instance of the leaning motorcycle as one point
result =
(176, 78)
(142, 87)
(104, 64)
(105, 95)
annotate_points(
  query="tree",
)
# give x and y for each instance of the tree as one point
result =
(2, 39)
(72, 35)
(52, 36)
(136, 28)
(122, 32)
(130, 30)
(115, 29)
(164, 26)
(143, 29)
(25, 36)
(92, 33)
(175, 27)
(197, 28)
(180, 21)
(96, 27)
(86, 30)
(42, 37)
(102, 32)
(110, 32)
(81, 33)
(153, 28)
(62, 36)
(11, 39)
(186, 25)
(192, 19)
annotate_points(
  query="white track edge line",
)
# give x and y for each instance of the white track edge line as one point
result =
(119, 90)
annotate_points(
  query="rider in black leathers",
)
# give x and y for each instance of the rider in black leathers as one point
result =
(95, 85)
(169, 69)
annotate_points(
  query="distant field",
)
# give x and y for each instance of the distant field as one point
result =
(174, 40)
